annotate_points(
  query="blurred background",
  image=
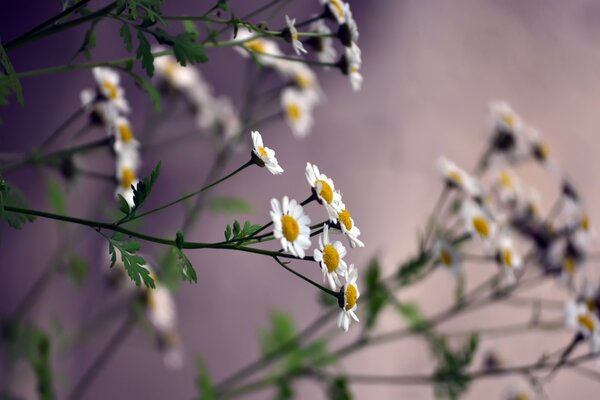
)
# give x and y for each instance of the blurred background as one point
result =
(430, 70)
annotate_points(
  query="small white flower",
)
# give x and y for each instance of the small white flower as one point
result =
(324, 189)
(337, 9)
(351, 295)
(177, 76)
(323, 45)
(124, 139)
(331, 257)
(296, 43)
(478, 222)
(448, 256)
(297, 109)
(581, 319)
(456, 177)
(265, 154)
(351, 66)
(127, 166)
(305, 79)
(227, 124)
(507, 188)
(160, 309)
(348, 226)
(504, 119)
(350, 26)
(103, 112)
(261, 48)
(508, 259)
(291, 226)
(108, 82)
(169, 344)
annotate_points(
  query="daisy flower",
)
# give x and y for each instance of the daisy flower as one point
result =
(351, 64)
(169, 344)
(108, 83)
(477, 221)
(174, 74)
(506, 128)
(348, 31)
(539, 150)
(290, 34)
(305, 79)
(291, 226)
(351, 295)
(348, 227)
(102, 112)
(331, 257)
(297, 108)
(447, 255)
(124, 139)
(160, 309)
(324, 189)
(508, 259)
(584, 322)
(322, 45)
(265, 155)
(506, 187)
(259, 46)
(335, 9)
(456, 177)
(127, 165)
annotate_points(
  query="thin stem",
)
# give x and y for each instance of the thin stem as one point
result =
(300, 60)
(315, 284)
(63, 127)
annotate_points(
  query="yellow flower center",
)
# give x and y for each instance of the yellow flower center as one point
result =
(325, 191)
(569, 265)
(293, 111)
(544, 151)
(295, 35)
(455, 177)
(331, 258)
(127, 177)
(507, 257)
(170, 69)
(125, 132)
(508, 119)
(585, 223)
(521, 396)
(111, 89)
(446, 257)
(505, 180)
(338, 7)
(591, 304)
(587, 322)
(150, 301)
(303, 81)
(351, 296)
(482, 226)
(256, 45)
(290, 227)
(344, 218)
(262, 151)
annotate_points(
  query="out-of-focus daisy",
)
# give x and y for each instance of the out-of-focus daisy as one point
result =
(305, 79)
(335, 9)
(456, 177)
(260, 47)
(124, 139)
(448, 256)
(348, 31)
(291, 226)
(478, 222)
(108, 83)
(348, 227)
(508, 260)
(322, 45)
(297, 109)
(506, 187)
(517, 392)
(506, 129)
(351, 295)
(539, 149)
(102, 112)
(350, 65)
(584, 322)
(265, 155)
(331, 257)
(226, 123)
(127, 165)
(175, 75)
(324, 189)
(169, 344)
(160, 309)
(290, 34)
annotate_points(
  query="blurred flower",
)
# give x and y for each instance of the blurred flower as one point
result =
(291, 226)
(124, 139)
(261, 47)
(175, 75)
(350, 65)
(169, 343)
(584, 322)
(477, 222)
(324, 190)
(351, 295)
(508, 259)
(127, 166)
(108, 83)
(291, 35)
(160, 309)
(457, 178)
(448, 256)
(347, 226)
(265, 154)
(506, 135)
(297, 109)
(322, 45)
(335, 9)
(331, 257)
(348, 30)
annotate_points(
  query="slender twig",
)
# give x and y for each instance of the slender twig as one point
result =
(63, 127)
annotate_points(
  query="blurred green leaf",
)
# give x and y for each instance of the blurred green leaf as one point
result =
(338, 389)
(205, 386)
(11, 196)
(78, 269)
(230, 205)
(10, 80)
(56, 195)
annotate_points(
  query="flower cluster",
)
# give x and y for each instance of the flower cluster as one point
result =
(302, 92)
(108, 106)
(498, 210)
(292, 228)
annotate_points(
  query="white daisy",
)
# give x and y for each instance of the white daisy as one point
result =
(108, 82)
(348, 227)
(291, 226)
(160, 309)
(169, 344)
(508, 259)
(506, 188)
(448, 256)
(102, 112)
(127, 166)
(324, 189)
(351, 64)
(586, 323)
(478, 223)
(305, 79)
(456, 177)
(505, 122)
(174, 74)
(265, 154)
(227, 124)
(297, 109)
(124, 139)
(322, 45)
(331, 257)
(348, 31)
(260, 47)
(336, 9)
(293, 36)
(351, 295)
(539, 149)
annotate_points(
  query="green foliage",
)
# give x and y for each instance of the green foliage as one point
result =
(144, 54)
(185, 266)
(205, 385)
(338, 389)
(147, 10)
(412, 269)
(451, 377)
(190, 28)
(141, 192)
(237, 232)
(412, 315)
(11, 196)
(77, 269)
(230, 205)
(9, 82)
(285, 391)
(30, 343)
(89, 41)
(134, 264)
(185, 48)
(125, 33)
(378, 294)
(56, 195)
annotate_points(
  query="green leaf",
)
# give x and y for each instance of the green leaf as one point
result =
(240, 232)
(190, 28)
(179, 239)
(56, 195)
(89, 41)
(284, 390)
(146, 85)
(338, 389)
(188, 272)
(123, 205)
(412, 315)
(11, 76)
(125, 33)
(205, 385)
(141, 192)
(236, 229)
(185, 49)
(281, 333)
(144, 54)
(411, 270)
(134, 264)
(227, 232)
(78, 270)
(378, 294)
(13, 197)
(230, 205)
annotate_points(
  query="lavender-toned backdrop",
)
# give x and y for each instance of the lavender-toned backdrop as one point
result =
(430, 69)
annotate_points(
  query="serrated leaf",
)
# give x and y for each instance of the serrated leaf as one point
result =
(141, 192)
(125, 33)
(89, 41)
(133, 263)
(185, 49)
(144, 54)
(227, 232)
(11, 75)
(123, 204)
(230, 205)
(411, 269)
(236, 229)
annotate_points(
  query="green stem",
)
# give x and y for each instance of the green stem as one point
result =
(315, 284)
(63, 127)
